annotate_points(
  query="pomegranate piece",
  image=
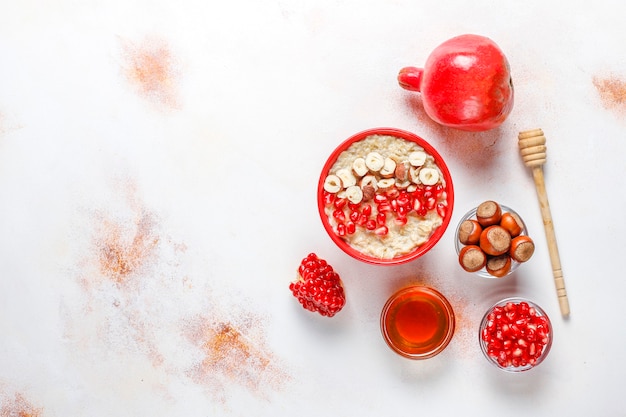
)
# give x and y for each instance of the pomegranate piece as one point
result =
(516, 335)
(318, 287)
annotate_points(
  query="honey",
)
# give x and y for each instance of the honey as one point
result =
(417, 322)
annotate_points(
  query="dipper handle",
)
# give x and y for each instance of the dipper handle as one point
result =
(532, 145)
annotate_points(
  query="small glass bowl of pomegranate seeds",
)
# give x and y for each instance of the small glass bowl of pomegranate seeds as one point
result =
(385, 196)
(417, 322)
(493, 246)
(515, 335)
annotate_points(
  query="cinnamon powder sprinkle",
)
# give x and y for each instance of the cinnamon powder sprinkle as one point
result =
(18, 406)
(225, 348)
(120, 252)
(234, 355)
(612, 91)
(149, 66)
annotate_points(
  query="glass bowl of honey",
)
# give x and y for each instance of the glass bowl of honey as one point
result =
(417, 322)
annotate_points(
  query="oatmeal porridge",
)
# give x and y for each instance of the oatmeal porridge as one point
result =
(385, 196)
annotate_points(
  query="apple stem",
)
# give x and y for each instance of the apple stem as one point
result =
(410, 78)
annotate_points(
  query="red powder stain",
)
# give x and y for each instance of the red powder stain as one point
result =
(134, 289)
(612, 90)
(18, 406)
(465, 341)
(151, 69)
(234, 354)
(128, 266)
(123, 249)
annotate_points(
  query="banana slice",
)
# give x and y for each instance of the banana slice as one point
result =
(417, 158)
(359, 167)
(374, 161)
(332, 184)
(347, 178)
(388, 169)
(429, 176)
(354, 194)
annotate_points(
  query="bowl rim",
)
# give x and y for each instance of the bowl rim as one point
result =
(458, 245)
(438, 233)
(445, 303)
(483, 344)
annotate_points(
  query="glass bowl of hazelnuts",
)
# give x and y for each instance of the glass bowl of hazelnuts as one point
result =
(492, 240)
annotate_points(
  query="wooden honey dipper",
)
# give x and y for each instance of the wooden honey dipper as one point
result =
(532, 145)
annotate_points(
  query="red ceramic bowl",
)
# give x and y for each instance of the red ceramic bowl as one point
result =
(403, 206)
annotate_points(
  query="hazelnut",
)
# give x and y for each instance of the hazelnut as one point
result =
(495, 240)
(512, 223)
(368, 192)
(469, 232)
(522, 248)
(472, 258)
(488, 213)
(499, 266)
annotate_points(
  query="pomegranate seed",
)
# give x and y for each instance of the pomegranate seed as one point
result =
(380, 198)
(350, 228)
(392, 193)
(403, 200)
(367, 209)
(329, 198)
(354, 216)
(401, 221)
(523, 308)
(430, 203)
(381, 219)
(362, 220)
(384, 207)
(341, 229)
(441, 209)
(340, 203)
(353, 206)
(339, 215)
(419, 192)
(381, 231)
(416, 204)
(370, 224)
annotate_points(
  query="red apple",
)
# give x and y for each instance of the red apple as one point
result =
(466, 83)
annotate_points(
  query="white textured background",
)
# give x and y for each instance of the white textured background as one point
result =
(205, 182)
